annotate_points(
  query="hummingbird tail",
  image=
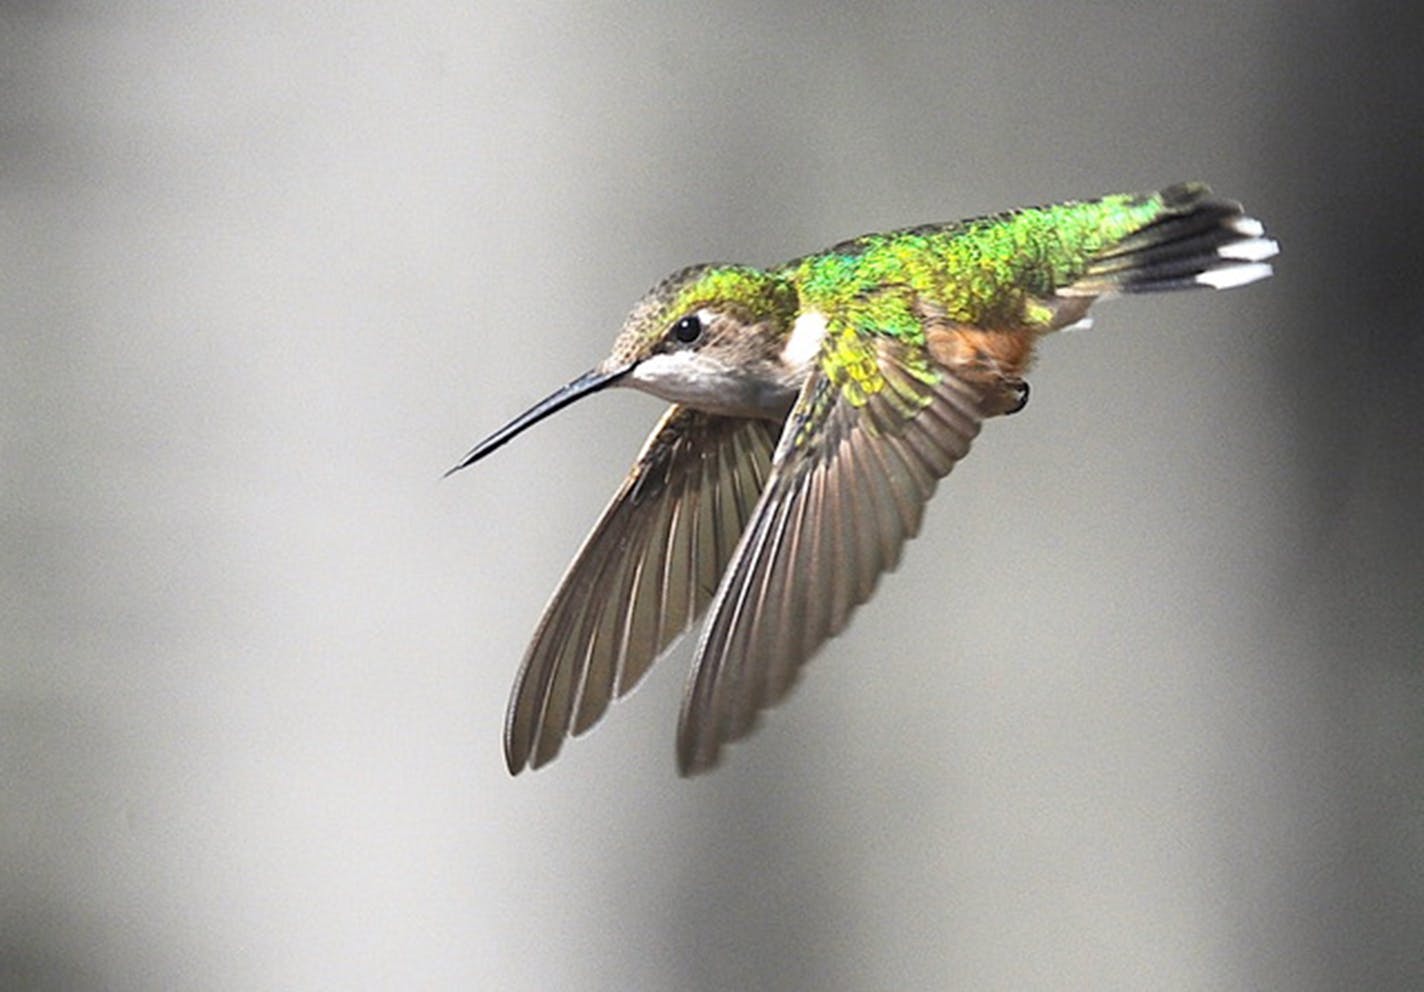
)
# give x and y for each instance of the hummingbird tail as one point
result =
(1195, 240)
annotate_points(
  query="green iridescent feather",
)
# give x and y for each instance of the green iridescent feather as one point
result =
(978, 271)
(999, 271)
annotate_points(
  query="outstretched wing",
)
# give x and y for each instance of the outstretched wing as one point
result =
(873, 430)
(647, 570)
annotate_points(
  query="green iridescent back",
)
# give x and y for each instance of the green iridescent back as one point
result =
(986, 271)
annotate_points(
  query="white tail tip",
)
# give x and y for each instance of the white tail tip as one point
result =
(1248, 227)
(1251, 250)
(1231, 276)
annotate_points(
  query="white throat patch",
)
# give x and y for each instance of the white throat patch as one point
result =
(804, 341)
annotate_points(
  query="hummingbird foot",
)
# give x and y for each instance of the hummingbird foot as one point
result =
(1017, 388)
(990, 360)
(1003, 396)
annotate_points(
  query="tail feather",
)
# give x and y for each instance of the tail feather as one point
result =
(1197, 240)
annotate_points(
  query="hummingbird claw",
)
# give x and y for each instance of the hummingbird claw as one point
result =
(1018, 392)
(1004, 396)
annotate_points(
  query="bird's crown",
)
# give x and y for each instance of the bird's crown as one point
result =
(682, 307)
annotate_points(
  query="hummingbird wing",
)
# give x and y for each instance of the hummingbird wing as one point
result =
(872, 431)
(646, 571)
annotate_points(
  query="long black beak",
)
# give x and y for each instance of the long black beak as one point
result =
(590, 382)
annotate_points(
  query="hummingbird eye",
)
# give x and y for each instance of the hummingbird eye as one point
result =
(688, 329)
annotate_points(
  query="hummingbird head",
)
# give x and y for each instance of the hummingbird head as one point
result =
(710, 336)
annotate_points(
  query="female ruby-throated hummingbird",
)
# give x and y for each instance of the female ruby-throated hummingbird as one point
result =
(815, 405)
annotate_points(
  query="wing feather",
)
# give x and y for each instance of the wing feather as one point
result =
(848, 487)
(646, 571)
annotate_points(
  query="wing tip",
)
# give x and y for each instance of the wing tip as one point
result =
(516, 756)
(696, 756)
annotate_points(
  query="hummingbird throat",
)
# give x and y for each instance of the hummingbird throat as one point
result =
(706, 383)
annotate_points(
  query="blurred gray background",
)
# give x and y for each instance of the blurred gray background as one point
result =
(1142, 708)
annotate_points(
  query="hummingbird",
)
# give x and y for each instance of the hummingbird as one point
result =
(815, 405)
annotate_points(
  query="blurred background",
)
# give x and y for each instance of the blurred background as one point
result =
(1142, 708)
